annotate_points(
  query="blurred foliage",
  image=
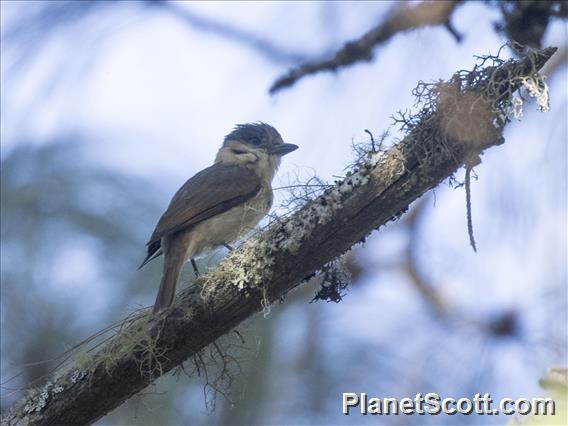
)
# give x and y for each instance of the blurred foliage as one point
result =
(72, 237)
(73, 233)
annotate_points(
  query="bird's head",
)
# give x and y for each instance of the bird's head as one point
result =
(258, 146)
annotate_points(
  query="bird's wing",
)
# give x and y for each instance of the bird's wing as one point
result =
(210, 192)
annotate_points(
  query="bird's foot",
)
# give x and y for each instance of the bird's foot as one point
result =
(194, 264)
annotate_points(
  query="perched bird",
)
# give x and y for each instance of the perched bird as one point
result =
(218, 204)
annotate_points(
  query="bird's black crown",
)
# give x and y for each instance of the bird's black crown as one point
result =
(261, 134)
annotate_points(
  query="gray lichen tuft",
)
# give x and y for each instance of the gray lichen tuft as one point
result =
(247, 269)
(319, 211)
(39, 398)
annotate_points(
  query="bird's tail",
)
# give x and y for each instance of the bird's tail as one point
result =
(154, 250)
(167, 291)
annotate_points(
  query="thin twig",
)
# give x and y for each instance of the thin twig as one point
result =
(372, 140)
(274, 261)
(468, 207)
(401, 19)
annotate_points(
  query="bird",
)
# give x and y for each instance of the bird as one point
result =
(219, 204)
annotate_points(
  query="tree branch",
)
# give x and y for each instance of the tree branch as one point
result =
(526, 21)
(460, 119)
(267, 48)
(402, 18)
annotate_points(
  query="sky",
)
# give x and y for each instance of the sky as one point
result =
(155, 97)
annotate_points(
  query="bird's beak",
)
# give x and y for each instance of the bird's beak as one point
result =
(283, 149)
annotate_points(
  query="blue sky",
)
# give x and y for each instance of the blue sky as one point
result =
(155, 98)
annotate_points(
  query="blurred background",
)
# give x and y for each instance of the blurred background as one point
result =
(107, 108)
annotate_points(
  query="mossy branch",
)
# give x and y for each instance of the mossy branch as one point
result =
(458, 120)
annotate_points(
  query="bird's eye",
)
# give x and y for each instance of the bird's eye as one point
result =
(254, 141)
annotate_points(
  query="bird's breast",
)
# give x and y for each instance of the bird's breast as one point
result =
(230, 225)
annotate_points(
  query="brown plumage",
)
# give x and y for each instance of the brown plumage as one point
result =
(195, 201)
(218, 204)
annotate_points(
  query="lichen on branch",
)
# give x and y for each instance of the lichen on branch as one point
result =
(456, 122)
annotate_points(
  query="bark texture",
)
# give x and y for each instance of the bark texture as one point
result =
(461, 119)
